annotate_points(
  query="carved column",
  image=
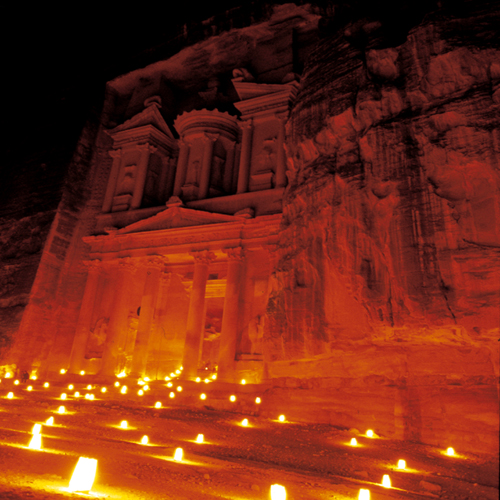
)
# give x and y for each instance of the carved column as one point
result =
(149, 299)
(228, 168)
(116, 154)
(85, 316)
(206, 166)
(196, 318)
(180, 175)
(231, 314)
(118, 316)
(142, 170)
(246, 149)
(281, 160)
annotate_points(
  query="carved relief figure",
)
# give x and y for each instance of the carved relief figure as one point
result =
(97, 337)
(127, 180)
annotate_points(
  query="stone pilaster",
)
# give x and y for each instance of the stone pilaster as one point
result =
(154, 265)
(116, 154)
(231, 314)
(85, 317)
(228, 168)
(209, 140)
(196, 318)
(281, 159)
(246, 150)
(180, 174)
(118, 317)
(142, 170)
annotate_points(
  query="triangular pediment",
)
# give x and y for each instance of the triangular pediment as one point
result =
(177, 217)
(150, 116)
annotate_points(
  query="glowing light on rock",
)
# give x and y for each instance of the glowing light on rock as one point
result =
(147, 379)
(354, 442)
(29, 388)
(36, 429)
(36, 442)
(401, 464)
(63, 395)
(124, 389)
(91, 397)
(144, 440)
(141, 382)
(140, 392)
(82, 372)
(46, 384)
(206, 381)
(77, 394)
(117, 384)
(243, 381)
(83, 475)
(10, 395)
(369, 433)
(198, 379)
(158, 404)
(450, 452)
(172, 374)
(278, 492)
(199, 438)
(258, 400)
(179, 388)
(178, 454)
(364, 494)
(8, 375)
(33, 377)
(232, 398)
(61, 410)
(386, 481)
(181, 368)
(50, 421)
(62, 371)
(281, 418)
(146, 387)
(71, 387)
(203, 396)
(103, 389)
(214, 377)
(170, 384)
(123, 424)
(167, 378)
(16, 382)
(171, 395)
(244, 422)
(121, 374)
(177, 372)
(89, 387)
(87, 396)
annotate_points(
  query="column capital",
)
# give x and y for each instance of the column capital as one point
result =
(127, 264)
(115, 153)
(203, 256)
(211, 136)
(147, 147)
(93, 265)
(155, 261)
(234, 253)
(246, 124)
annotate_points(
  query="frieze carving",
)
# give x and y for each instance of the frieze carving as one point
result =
(115, 153)
(155, 261)
(93, 265)
(127, 264)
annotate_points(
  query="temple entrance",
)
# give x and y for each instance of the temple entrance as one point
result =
(211, 335)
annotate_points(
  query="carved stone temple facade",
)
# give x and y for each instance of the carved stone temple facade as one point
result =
(307, 202)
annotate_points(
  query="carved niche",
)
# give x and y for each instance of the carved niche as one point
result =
(143, 170)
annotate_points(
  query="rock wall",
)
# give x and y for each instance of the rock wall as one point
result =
(386, 295)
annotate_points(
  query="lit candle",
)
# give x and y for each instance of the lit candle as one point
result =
(243, 381)
(401, 464)
(46, 384)
(199, 438)
(140, 392)
(369, 433)
(278, 492)
(232, 398)
(171, 395)
(29, 388)
(61, 410)
(63, 395)
(117, 384)
(36, 429)
(244, 422)
(198, 379)
(36, 442)
(179, 388)
(82, 372)
(178, 454)
(84, 475)
(450, 451)
(103, 389)
(354, 442)
(71, 387)
(386, 481)
(123, 424)
(16, 382)
(144, 440)
(258, 400)
(203, 396)
(123, 390)
(158, 404)
(50, 421)
(281, 418)
(364, 494)
(10, 395)
(62, 371)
